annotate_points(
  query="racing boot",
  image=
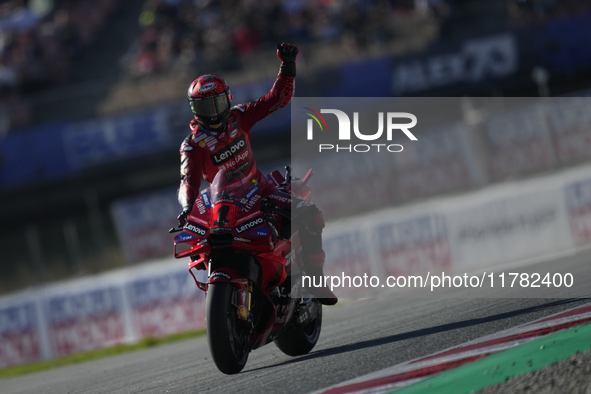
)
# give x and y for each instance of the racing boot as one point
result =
(313, 265)
(311, 223)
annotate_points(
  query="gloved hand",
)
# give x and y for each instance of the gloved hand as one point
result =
(182, 218)
(287, 54)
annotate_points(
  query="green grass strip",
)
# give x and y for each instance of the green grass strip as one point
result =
(495, 369)
(96, 354)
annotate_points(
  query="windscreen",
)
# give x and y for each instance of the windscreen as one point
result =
(230, 185)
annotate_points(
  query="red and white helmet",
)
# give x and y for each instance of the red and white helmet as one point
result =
(210, 100)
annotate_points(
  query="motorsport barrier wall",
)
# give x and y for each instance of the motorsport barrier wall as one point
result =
(99, 311)
(143, 222)
(425, 147)
(495, 226)
(500, 224)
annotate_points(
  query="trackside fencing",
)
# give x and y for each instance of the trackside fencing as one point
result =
(496, 225)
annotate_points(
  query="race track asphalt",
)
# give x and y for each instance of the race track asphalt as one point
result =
(358, 337)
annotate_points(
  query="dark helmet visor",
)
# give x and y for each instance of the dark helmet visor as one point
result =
(210, 106)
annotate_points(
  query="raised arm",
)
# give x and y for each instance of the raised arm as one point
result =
(281, 92)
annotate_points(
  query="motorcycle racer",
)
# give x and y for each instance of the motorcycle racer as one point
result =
(220, 141)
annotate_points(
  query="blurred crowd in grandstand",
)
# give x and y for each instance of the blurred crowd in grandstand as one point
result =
(534, 12)
(41, 40)
(183, 33)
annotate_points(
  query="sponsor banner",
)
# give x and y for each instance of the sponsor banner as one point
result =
(346, 254)
(567, 35)
(365, 186)
(500, 225)
(161, 319)
(111, 138)
(416, 245)
(147, 242)
(82, 320)
(143, 222)
(578, 205)
(376, 75)
(165, 303)
(32, 155)
(570, 119)
(444, 160)
(508, 225)
(20, 336)
(518, 142)
(457, 65)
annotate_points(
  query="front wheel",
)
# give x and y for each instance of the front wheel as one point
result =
(228, 344)
(297, 339)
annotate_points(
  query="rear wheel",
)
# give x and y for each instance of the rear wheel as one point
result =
(228, 344)
(297, 339)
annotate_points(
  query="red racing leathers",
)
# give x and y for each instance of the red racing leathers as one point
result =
(203, 155)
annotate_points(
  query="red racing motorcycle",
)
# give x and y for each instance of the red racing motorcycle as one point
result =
(252, 256)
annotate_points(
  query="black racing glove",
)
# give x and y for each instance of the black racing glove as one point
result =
(182, 218)
(287, 54)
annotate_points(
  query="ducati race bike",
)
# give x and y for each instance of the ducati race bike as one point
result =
(250, 249)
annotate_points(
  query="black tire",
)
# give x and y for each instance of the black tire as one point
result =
(298, 340)
(227, 344)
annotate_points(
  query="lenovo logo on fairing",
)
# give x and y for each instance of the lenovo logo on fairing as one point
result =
(247, 226)
(222, 274)
(197, 229)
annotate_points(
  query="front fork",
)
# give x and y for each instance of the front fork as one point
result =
(243, 296)
(243, 299)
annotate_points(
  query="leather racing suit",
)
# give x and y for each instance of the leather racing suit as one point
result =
(205, 155)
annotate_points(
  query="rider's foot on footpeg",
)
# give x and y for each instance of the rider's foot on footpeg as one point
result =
(324, 295)
(328, 301)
